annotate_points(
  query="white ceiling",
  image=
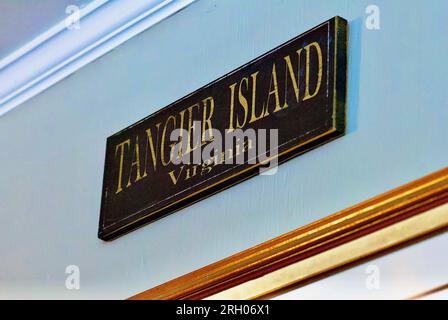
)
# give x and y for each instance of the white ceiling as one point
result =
(37, 49)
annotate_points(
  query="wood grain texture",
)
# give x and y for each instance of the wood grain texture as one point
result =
(349, 224)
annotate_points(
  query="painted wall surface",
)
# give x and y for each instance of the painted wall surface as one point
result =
(52, 147)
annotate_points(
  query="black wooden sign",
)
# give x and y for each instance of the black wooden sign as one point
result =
(286, 102)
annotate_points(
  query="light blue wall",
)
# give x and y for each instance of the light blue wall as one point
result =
(52, 147)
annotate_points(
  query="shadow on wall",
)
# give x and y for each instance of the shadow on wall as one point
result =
(354, 66)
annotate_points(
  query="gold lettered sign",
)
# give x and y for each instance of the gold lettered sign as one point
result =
(288, 101)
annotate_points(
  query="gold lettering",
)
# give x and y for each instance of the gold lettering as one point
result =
(274, 92)
(182, 116)
(135, 162)
(162, 145)
(120, 171)
(206, 167)
(254, 117)
(307, 76)
(174, 179)
(207, 121)
(193, 173)
(292, 76)
(190, 129)
(232, 105)
(243, 101)
(153, 150)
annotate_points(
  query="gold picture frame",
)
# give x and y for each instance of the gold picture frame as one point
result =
(389, 221)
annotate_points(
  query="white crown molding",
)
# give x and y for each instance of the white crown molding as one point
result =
(57, 53)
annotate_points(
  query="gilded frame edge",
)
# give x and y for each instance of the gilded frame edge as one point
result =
(342, 227)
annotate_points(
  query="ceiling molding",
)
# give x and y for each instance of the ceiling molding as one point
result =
(60, 51)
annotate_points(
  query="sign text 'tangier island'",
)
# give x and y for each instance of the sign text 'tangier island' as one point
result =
(286, 102)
